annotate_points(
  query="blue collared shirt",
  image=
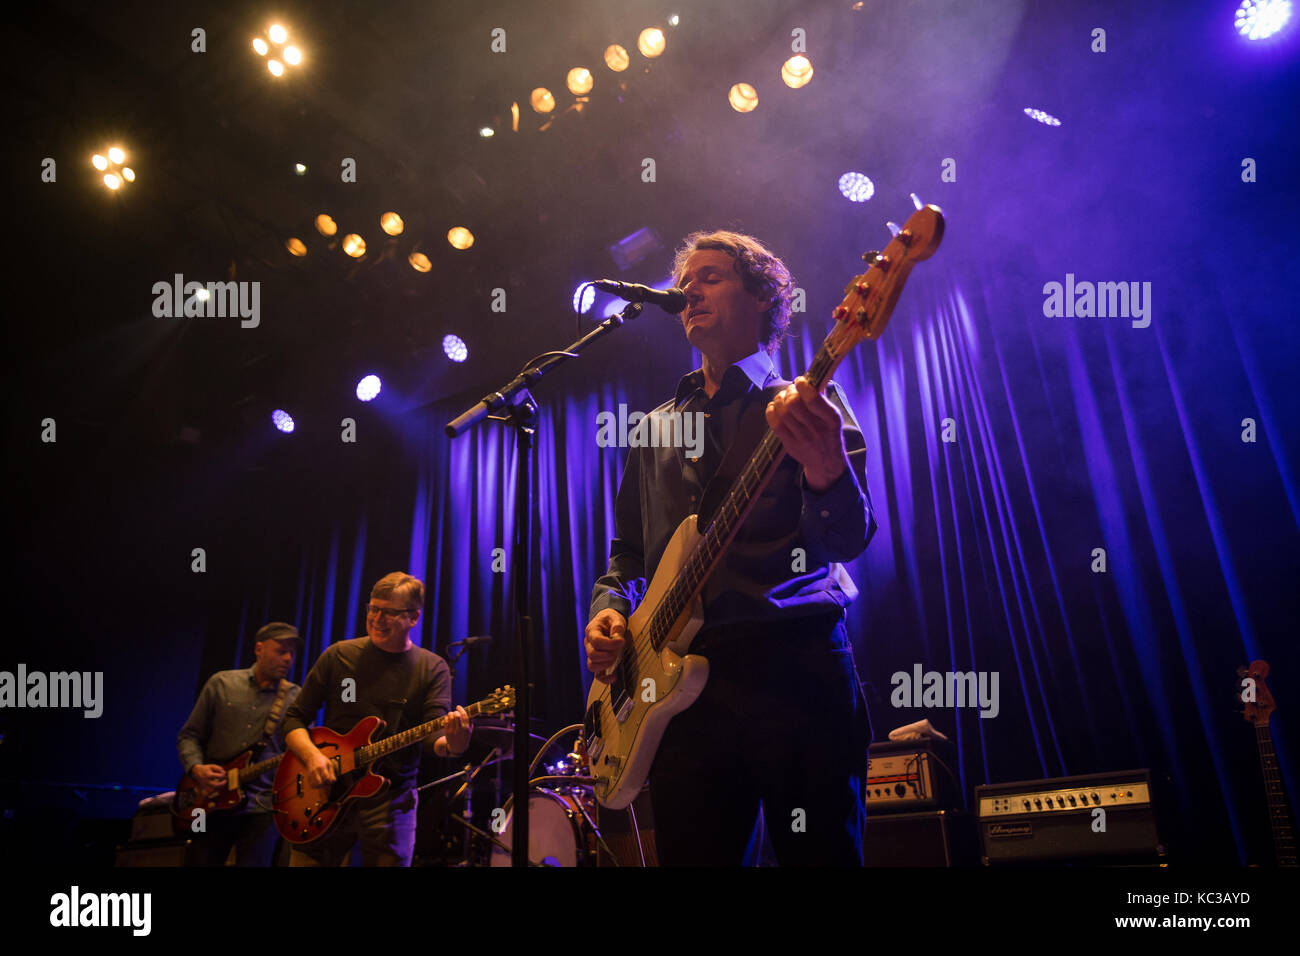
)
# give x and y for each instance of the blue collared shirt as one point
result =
(785, 561)
(228, 718)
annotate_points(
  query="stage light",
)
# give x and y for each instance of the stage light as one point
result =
(542, 101)
(743, 98)
(295, 247)
(391, 223)
(856, 187)
(455, 348)
(651, 42)
(460, 237)
(674, 20)
(111, 166)
(419, 262)
(299, 168)
(1045, 118)
(354, 245)
(279, 37)
(797, 71)
(579, 81)
(1260, 19)
(583, 296)
(486, 132)
(325, 225)
(514, 117)
(616, 58)
(368, 387)
(281, 420)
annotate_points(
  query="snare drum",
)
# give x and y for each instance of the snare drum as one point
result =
(558, 834)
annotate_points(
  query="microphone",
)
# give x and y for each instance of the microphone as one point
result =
(471, 641)
(670, 300)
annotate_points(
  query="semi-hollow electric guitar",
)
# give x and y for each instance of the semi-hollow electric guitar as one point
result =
(304, 812)
(1259, 710)
(191, 796)
(655, 677)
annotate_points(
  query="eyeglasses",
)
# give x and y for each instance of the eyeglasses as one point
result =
(387, 613)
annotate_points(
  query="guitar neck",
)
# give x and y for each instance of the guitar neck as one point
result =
(257, 769)
(1278, 816)
(372, 752)
(732, 511)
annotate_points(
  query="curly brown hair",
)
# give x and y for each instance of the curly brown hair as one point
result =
(761, 272)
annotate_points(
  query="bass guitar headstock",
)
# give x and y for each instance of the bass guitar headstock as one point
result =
(870, 298)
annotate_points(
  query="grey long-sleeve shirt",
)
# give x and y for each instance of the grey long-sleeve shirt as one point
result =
(404, 689)
(761, 577)
(228, 718)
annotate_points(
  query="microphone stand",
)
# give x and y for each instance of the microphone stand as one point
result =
(514, 405)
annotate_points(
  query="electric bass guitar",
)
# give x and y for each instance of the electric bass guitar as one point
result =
(304, 812)
(1259, 710)
(191, 795)
(655, 678)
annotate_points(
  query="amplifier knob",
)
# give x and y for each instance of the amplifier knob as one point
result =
(900, 789)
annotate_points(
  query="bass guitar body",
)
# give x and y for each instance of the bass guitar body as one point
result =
(626, 717)
(303, 812)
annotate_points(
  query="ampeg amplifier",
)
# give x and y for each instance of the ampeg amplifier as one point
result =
(904, 776)
(1094, 816)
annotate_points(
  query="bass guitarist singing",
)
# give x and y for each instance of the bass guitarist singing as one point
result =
(781, 719)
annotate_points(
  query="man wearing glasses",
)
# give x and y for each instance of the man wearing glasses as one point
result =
(384, 675)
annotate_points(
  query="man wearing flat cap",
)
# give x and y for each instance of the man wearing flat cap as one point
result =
(241, 710)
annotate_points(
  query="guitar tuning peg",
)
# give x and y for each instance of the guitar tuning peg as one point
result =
(916, 201)
(894, 228)
(871, 257)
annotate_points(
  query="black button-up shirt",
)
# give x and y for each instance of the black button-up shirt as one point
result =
(785, 560)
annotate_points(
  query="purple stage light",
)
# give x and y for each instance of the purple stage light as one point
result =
(455, 347)
(1260, 19)
(1045, 118)
(856, 187)
(583, 296)
(281, 420)
(368, 387)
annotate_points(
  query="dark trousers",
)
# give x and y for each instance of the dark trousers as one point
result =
(383, 826)
(783, 720)
(253, 835)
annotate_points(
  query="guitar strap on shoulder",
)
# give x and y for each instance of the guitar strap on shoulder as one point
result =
(273, 718)
(752, 428)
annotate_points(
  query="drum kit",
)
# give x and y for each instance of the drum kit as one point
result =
(562, 812)
(562, 823)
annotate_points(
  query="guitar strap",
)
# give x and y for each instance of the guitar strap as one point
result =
(751, 429)
(273, 718)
